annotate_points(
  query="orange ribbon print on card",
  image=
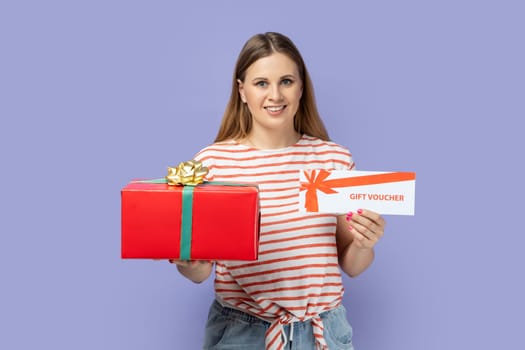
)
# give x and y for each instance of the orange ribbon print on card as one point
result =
(316, 180)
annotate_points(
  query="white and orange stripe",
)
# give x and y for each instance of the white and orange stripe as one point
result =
(297, 275)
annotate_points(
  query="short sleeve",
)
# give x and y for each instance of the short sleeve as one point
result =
(206, 158)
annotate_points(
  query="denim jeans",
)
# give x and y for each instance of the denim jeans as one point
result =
(230, 329)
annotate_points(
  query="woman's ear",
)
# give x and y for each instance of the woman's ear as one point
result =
(241, 90)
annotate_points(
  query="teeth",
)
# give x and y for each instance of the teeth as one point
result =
(275, 109)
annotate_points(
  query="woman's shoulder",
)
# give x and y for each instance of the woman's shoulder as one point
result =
(316, 142)
(332, 154)
(221, 148)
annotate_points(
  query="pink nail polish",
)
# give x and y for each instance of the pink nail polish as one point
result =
(350, 227)
(349, 216)
(359, 211)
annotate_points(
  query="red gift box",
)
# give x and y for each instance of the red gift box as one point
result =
(223, 221)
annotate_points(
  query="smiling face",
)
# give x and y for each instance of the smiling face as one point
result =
(272, 90)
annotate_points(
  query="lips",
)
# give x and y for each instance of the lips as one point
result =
(274, 109)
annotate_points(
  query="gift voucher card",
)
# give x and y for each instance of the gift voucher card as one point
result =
(341, 191)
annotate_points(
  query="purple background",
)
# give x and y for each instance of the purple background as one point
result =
(94, 94)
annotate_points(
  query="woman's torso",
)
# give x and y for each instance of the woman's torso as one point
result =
(297, 274)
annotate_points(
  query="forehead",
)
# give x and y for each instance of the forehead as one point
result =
(275, 65)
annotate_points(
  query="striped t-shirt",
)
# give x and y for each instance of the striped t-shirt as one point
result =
(297, 275)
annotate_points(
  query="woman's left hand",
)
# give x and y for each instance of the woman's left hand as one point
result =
(367, 228)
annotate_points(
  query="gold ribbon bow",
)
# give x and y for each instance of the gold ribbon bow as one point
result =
(189, 173)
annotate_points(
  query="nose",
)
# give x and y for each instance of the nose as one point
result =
(275, 93)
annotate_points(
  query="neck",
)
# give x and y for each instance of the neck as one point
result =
(271, 140)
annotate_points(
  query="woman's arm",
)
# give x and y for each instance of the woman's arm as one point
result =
(356, 235)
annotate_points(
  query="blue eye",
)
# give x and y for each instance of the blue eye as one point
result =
(287, 81)
(261, 83)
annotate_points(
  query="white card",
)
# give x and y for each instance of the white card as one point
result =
(341, 191)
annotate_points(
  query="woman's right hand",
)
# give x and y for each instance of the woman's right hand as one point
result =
(195, 270)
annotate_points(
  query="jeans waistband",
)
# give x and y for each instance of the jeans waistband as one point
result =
(229, 311)
(242, 315)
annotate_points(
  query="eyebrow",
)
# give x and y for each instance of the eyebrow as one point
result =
(287, 76)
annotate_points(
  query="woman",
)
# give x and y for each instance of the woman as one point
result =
(291, 296)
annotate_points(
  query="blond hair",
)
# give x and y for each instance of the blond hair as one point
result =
(237, 121)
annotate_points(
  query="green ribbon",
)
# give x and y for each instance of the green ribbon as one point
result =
(186, 223)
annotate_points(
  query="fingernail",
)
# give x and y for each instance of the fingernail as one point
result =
(359, 211)
(350, 227)
(349, 216)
